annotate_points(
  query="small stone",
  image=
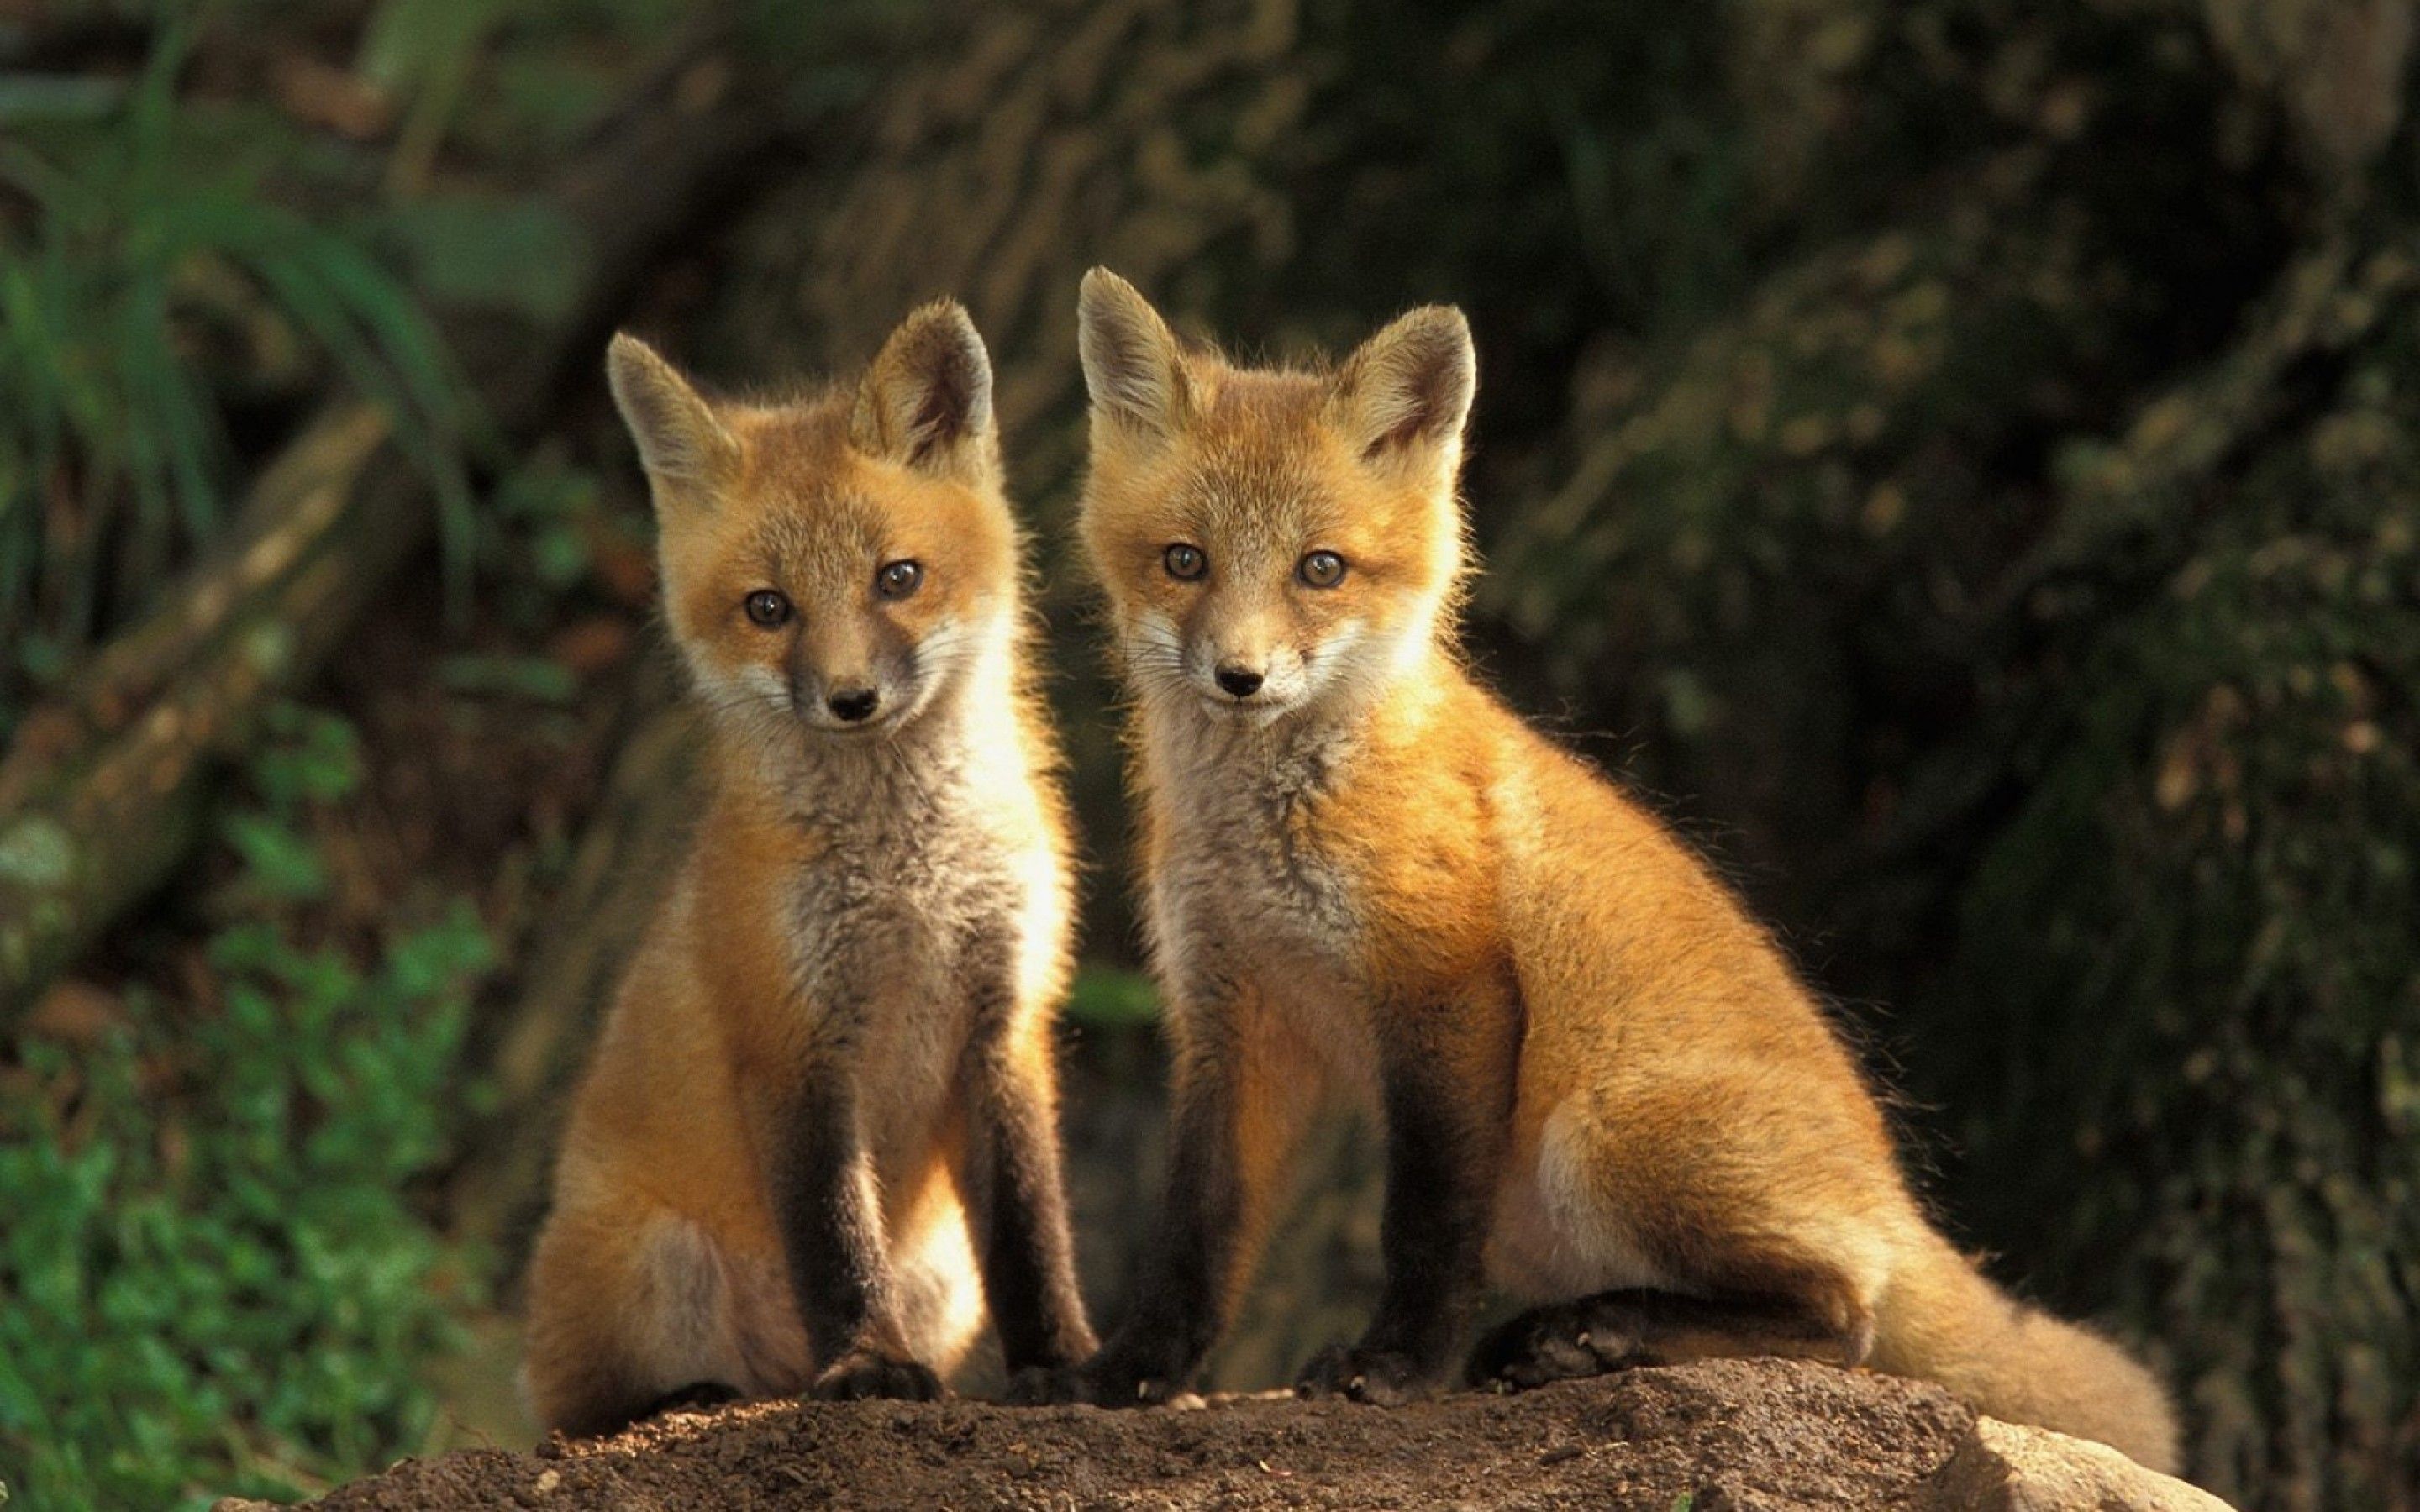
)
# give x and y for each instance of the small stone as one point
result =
(2007, 1467)
(547, 1481)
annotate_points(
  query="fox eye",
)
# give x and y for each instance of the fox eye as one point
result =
(1320, 570)
(1184, 563)
(767, 607)
(897, 579)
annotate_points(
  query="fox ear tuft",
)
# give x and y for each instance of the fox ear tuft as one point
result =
(1133, 367)
(1407, 390)
(926, 401)
(680, 442)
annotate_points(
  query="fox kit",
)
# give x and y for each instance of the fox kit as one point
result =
(825, 1102)
(1602, 1085)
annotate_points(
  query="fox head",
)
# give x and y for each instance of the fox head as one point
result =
(839, 562)
(1272, 542)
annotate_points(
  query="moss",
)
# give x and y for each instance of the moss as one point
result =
(2051, 663)
(2188, 953)
(37, 854)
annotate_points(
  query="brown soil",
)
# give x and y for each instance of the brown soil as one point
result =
(1719, 1436)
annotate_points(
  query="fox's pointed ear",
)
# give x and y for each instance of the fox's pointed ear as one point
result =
(1406, 391)
(926, 401)
(1133, 369)
(680, 442)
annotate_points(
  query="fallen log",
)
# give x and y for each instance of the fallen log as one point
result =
(99, 798)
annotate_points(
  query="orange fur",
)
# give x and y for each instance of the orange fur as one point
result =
(1469, 923)
(873, 912)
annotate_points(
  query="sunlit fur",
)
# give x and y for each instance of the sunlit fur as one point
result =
(1375, 870)
(810, 516)
(888, 901)
(1258, 481)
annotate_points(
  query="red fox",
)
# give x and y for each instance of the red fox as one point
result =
(825, 1104)
(1602, 1084)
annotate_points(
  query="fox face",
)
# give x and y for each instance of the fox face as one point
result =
(1271, 543)
(834, 564)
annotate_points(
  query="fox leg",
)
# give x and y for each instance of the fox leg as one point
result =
(1687, 1233)
(1447, 1070)
(829, 1211)
(1244, 1088)
(1016, 1201)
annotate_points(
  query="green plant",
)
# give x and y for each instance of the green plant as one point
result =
(216, 1282)
(534, 543)
(306, 756)
(153, 264)
(1108, 997)
(424, 51)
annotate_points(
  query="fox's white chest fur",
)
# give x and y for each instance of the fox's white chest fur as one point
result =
(911, 881)
(1249, 885)
(939, 887)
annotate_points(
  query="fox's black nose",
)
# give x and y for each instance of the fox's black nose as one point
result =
(853, 703)
(1240, 681)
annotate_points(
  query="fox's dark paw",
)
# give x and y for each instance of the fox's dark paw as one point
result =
(1563, 1342)
(1362, 1373)
(1108, 1379)
(862, 1376)
(1054, 1379)
(1047, 1385)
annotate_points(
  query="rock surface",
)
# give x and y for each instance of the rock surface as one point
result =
(1718, 1435)
(2008, 1467)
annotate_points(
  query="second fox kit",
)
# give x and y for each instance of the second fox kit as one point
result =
(832, 1056)
(1602, 1084)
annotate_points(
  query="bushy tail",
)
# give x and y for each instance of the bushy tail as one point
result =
(1941, 1320)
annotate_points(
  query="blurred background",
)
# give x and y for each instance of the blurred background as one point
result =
(1954, 457)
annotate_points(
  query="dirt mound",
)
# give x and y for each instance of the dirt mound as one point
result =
(1724, 1434)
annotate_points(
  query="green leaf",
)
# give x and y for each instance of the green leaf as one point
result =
(479, 251)
(278, 861)
(39, 99)
(1107, 997)
(534, 678)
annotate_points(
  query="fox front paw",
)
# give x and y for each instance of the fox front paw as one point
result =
(1046, 1385)
(1107, 1380)
(862, 1376)
(1365, 1373)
